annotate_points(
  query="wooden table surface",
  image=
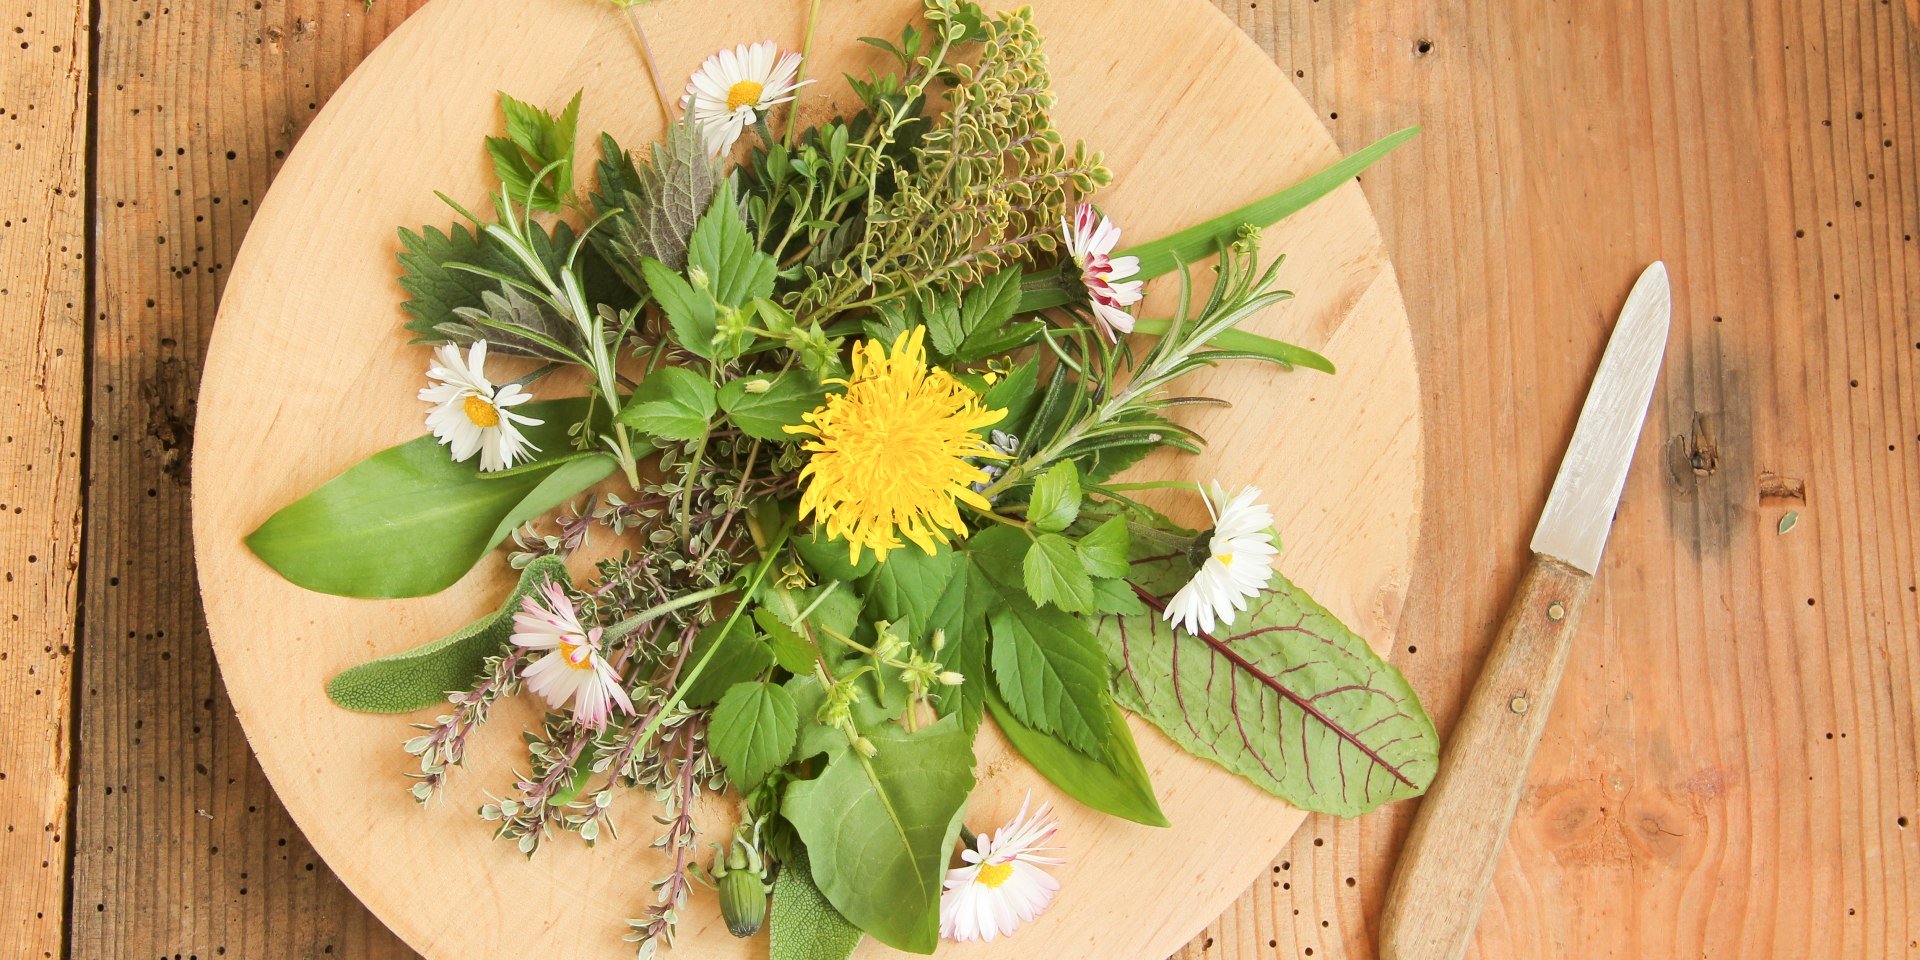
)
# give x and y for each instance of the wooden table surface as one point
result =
(1733, 767)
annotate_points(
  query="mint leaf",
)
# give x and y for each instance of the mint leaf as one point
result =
(1055, 503)
(689, 312)
(722, 247)
(1286, 696)
(1115, 782)
(1051, 672)
(536, 140)
(765, 414)
(752, 732)
(1054, 575)
(1104, 551)
(673, 403)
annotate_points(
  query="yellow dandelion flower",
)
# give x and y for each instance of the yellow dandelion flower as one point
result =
(890, 452)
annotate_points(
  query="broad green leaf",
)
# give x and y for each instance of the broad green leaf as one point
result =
(741, 657)
(1116, 782)
(880, 829)
(408, 521)
(723, 248)
(752, 732)
(422, 677)
(673, 403)
(1054, 575)
(1056, 498)
(838, 611)
(790, 650)
(535, 141)
(690, 313)
(985, 311)
(1104, 551)
(1287, 697)
(763, 407)
(803, 925)
(1051, 673)
(1040, 291)
(658, 202)
(1016, 393)
(910, 584)
(1241, 341)
(946, 326)
(832, 558)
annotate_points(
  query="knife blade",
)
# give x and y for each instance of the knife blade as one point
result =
(1448, 862)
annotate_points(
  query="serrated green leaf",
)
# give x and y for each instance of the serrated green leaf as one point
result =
(752, 732)
(409, 521)
(535, 141)
(765, 414)
(1050, 671)
(832, 558)
(658, 203)
(1115, 782)
(673, 403)
(804, 926)
(439, 292)
(741, 657)
(790, 650)
(1289, 699)
(1055, 503)
(423, 676)
(1054, 575)
(690, 313)
(985, 311)
(723, 248)
(1103, 553)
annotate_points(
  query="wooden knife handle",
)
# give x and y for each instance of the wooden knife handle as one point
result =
(1447, 863)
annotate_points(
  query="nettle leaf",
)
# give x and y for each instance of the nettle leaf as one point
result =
(1290, 699)
(723, 247)
(1051, 672)
(535, 141)
(690, 313)
(1055, 503)
(515, 323)
(763, 407)
(752, 732)
(1103, 553)
(880, 829)
(1115, 782)
(803, 925)
(422, 677)
(409, 521)
(658, 203)
(440, 290)
(673, 403)
(1054, 575)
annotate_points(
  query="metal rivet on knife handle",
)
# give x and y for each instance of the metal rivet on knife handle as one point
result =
(1518, 704)
(1556, 611)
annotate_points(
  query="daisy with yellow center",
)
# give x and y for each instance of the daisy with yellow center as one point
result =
(470, 414)
(734, 87)
(890, 454)
(1002, 884)
(574, 670)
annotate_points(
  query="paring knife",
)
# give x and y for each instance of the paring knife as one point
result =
(1448, 861)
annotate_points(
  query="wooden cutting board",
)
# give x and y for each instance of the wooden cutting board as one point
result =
(309, 371)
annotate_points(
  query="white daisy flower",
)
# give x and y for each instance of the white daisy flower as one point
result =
(734, 87)
(1002, 886)
(471, 414)
(1091, 238)
(575, 670)
(1239, 562)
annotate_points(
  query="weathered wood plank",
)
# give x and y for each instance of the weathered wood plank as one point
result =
(1731, 768)
(43, 151)
(181, 848)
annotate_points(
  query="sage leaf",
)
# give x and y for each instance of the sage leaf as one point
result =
(408, 521)
(421, 677)
(1103, 553)
(1054, 575)
(880, 829)
(752, 732)
(1055, 503)
(1115, 782)
(672, 403)
(764, 407)
(1291, 699)
(804, 926)
(1051, 672)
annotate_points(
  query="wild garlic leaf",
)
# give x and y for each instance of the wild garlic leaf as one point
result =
(777, 403)
(1103, 552)
(753, 731)
(673, 403)
(722, 247)
(1051, 672)
(1055, 503)
(1054, 575)
(802, 924)
(1287, 697)
(690, 313)
(659, 202)
(536, 141)
(880, 829)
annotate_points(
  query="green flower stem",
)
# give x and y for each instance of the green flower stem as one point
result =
(806, 57)
(653, 68)
(659, 610)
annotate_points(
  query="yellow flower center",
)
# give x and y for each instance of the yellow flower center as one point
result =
(890, 452)
(576, 656)
(992, 875)
(746, 93)
(1226, 559)
(482, 413)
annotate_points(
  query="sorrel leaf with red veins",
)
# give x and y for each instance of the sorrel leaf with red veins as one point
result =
(1287, 697)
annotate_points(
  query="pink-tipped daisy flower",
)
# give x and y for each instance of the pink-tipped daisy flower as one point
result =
(1091, 238)
(1003, 884)
(574, 670)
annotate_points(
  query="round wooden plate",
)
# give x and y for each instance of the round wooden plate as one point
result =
(309, 371)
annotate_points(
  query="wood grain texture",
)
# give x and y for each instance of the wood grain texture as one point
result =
(1730, 770)
(410, 121)
(43, 180)
(1446, 865)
